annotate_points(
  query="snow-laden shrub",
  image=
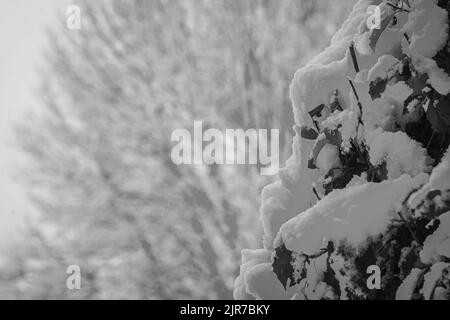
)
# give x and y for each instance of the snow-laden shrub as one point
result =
(368, 183)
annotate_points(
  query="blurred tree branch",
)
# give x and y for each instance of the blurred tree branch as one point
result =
(99, 169)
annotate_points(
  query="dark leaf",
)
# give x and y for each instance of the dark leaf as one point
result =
(438, 113)
(282, 265)
(317, 111)
(418, 83)
(308, 133)
(377, 87)
(333, 137)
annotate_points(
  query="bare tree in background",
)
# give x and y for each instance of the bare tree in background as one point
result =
(99, 169)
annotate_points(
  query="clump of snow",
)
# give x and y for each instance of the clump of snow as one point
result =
(431, 278)
(353, 214)
(386, 112)
(437, 245)
(312, 86)
(315, 82)
(401, 153)
(438, 78)
(382, 67)
(347, 124)
(426, 28)
(397, 92)
(406, 290)
(439, 180)
(355, 21)
(250, 258)
(262, 283)
(314, 288)
(274, 209)
(279, 204)
(358, 180)
(328, 158)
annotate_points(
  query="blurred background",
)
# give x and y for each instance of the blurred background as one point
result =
(86, 118)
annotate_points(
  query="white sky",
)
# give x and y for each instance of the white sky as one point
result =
(22, 37)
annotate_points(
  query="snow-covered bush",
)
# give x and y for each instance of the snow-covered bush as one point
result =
(369, 179)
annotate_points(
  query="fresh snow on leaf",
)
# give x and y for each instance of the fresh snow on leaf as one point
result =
(387, 111)
(262, 283)
(347, 124)
(426, 28)
(438, 244)
(250, 258)
(401, 153)
(279, 204)
(382, 67)
(438, 78)
(353, 214)
(328, 158)
(439, 180)
(431, 278)
(406, 289)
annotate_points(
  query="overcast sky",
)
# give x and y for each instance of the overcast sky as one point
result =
(22, 38)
